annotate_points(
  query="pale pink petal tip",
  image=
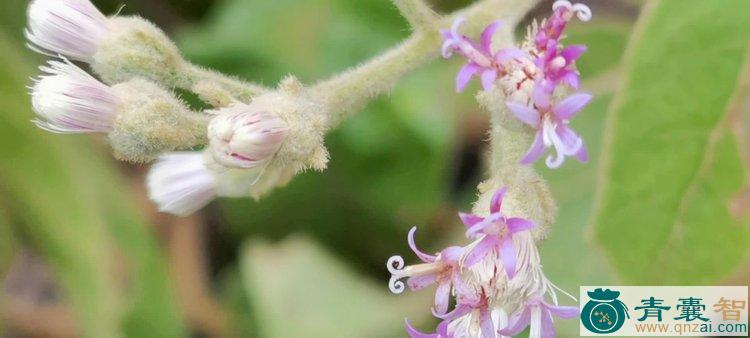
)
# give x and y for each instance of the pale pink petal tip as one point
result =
(68, 100)
(242, 137)
(180, 183)
(413, 245)
(73, 28)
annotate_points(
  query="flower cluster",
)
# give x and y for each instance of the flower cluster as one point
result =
(499, 269)
(497, 279)
(143, 120)
(533, 77)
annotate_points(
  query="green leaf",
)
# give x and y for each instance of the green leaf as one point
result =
(299, 290)
(76, 210)
(8, 242)
(573, 190)
(670, 165)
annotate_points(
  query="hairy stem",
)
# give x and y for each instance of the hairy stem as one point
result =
(418, 13)
(528, 194)
(220, 90)
(352, 90)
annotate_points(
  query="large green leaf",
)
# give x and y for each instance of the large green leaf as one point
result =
(670, 164)
(76, 211)
(299, 290)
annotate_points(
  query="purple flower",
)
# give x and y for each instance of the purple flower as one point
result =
(441, 332)
(464, 306)
(498, 232)
(538, 314)
(559, 66)
(444, 271)
(482, 60)
(552, 28)
(551, 122)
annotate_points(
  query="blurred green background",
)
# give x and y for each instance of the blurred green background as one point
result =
(83, 251)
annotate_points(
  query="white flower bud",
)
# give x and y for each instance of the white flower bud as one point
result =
(69, 100)
(181, 183)
(73, 28)
(243, 138)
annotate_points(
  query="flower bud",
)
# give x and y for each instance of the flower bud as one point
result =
(134, 47)
(152, 121)
(181, 183)
(73, 28)
(69, 100)
(241, 137)
(142, 119)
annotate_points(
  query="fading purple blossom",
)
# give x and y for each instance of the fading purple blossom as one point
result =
(537, 314)
(496, 233)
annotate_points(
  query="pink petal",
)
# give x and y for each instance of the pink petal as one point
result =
(413, 333)
(480, 251)
(508, 257)
(489, 77)
(462, 289)
(508, 54)
(419, 282)
(469, 220)
(535, 151)
(477, 229)
(570, 78)
(451, 254)
(542, 93)
(516, 224)
(460, 310)
(582, 154)
(517, 323)
(570, 142)
(423, 256)
(565, 312)
(442, 329)
(442, 297)
(568, 108)
(486, 324)
(548, 328)
(497, 200)
(487, 35)
(465, 75)
(524, 113)
(572, 53)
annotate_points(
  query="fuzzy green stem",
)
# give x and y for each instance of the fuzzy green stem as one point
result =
(350, 91)
(418, 13)
(218, 89)
(528, 195)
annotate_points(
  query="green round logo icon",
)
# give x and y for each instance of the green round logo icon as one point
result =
(604, 313)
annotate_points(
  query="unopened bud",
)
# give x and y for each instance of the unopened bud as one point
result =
(68, 100)
(243, 138)
(73, 28)
(134, 47)
(181, 183)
